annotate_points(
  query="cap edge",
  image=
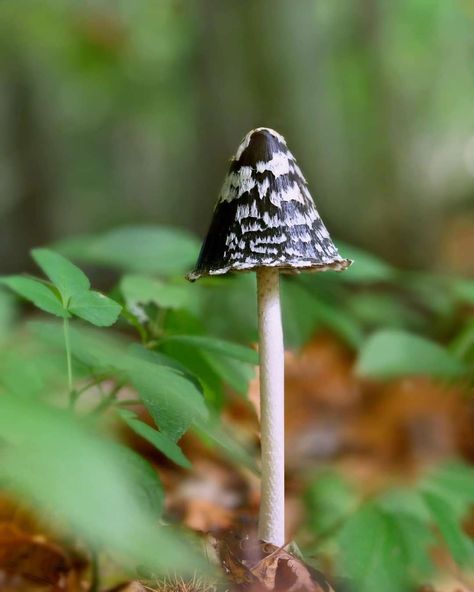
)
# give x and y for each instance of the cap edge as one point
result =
(288, 266)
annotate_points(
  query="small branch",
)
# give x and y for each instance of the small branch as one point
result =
(68, 360)
(130, 402)
(108, 400)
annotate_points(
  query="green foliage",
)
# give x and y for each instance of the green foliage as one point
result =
(371, 551)
(142, 249)
(176, 348)
(448, 494)
(462, 345)
(97, 350)
(461, 548)
(159, 440)
(173, 401)
(141, 290)
(36, 292)
(392, 353)
(95, 308)
(122, 98)
(68, 279)
(218, 347)
(368, 268)
(329, 500)
(69, 292)
(169, 390)
(8, 312)
(104, 491)
(464, 290)
(384, 542)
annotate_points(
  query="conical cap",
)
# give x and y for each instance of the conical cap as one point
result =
(265, 215)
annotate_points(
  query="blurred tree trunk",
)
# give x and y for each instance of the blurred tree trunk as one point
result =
(245, 79)
(393, 212)
(266, 62)
(26, 222)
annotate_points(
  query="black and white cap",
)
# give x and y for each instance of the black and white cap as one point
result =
(265, 216)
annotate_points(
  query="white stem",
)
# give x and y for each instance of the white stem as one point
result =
(272, 506)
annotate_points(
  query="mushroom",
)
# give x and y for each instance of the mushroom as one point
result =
(265, 221)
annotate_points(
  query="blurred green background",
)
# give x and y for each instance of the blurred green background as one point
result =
(127, 111)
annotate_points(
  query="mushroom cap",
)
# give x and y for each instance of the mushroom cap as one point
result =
(265, 215)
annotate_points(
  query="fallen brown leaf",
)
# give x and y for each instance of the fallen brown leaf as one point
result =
(257, 565)
(29, 560)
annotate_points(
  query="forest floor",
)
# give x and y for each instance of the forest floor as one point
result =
(375, 434)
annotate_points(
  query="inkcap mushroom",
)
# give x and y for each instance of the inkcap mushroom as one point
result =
(265, 220)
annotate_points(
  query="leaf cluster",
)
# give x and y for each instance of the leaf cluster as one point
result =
(386, 541)
(178, 350)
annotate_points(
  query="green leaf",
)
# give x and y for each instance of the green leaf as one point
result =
(464, 290)
(8, 314)
(230, 306)
(154, 249)
(329, 500)
(372, 552)
(430, 291)
(172, 398)
(36, 292)
(226, 360)
(182, 322)
(155, 357)
(146, 482)
(173, 401)
(461, 548)
(383, 310)
(303, 312)
(405, 501)
(454, 482)
(67, 278)
(462, 345)
(196, 364)
(98, 350)
(392, 353)
(416, 539)
(139, 289)
(300, 319)
(231, 371)
(215, 434)
(337, 319)
(157, 439)
(216, 346)
(28, 368)
(94, 307)
(367, 268)
(101, 490)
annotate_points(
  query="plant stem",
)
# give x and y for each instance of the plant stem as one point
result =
(272, 506)
(68, 354)
(129, 402)
(108, 400)
(94, 572)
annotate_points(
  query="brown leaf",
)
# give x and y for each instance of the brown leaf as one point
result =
(31, 556)
(233, 557)
(209, 496)
(257, 565)
(280, 570)
(206, 516)
(399, 425)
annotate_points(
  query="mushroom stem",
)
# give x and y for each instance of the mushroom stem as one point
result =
(272, 506)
